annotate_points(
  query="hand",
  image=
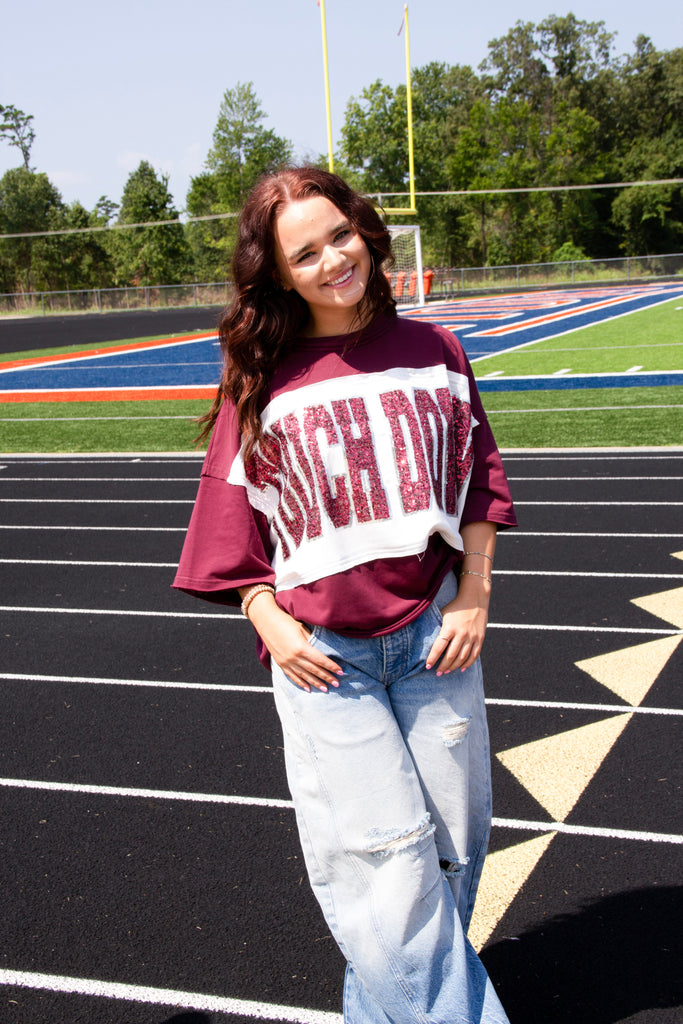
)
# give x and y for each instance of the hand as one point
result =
(462, 632)
(288, 642)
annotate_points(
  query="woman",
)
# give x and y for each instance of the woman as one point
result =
(350, 500)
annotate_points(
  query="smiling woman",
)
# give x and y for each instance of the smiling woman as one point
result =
(349, 500)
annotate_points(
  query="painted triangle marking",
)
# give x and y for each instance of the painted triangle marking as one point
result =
(631, 671)
(557, 769)
(667, 605)
(504, 874)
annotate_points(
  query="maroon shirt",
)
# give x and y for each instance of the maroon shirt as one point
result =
(381, 447)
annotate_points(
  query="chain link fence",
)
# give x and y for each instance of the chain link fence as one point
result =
(451, 283)
(440, 283)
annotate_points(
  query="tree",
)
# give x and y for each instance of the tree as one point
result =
(145, 255)
(15, 127)
(29, 203)
(243, 149)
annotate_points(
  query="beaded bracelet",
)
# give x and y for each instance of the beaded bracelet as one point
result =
(259, 588)
(468, 572)
(482, 553)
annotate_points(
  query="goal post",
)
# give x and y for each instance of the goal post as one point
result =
(406, 276)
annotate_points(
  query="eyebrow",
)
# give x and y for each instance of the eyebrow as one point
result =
(311, 245)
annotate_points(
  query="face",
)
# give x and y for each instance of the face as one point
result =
(322, 257)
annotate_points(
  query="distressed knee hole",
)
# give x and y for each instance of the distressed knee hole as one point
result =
(453, 868)
(384, 843)
(455, 732)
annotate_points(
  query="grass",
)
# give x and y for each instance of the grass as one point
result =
(601, 417)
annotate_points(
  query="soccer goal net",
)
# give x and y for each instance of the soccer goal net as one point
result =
(406, 276)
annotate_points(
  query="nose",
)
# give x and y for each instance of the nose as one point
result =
(332, 257)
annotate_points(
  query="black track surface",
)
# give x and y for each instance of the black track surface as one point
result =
(23, 334)
(203, 897)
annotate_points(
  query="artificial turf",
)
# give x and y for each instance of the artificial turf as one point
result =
(604, 417)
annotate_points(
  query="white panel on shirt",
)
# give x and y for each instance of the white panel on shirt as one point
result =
(361, 467)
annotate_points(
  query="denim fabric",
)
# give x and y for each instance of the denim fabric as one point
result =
(390, 778)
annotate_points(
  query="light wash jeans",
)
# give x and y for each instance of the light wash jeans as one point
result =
(390, 778)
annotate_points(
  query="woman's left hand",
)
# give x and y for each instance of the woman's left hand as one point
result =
(462, 632)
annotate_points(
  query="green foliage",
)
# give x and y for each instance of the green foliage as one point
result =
(29, 202)
(16, 128)
(243, 149)
(148, 256)
(552, 106)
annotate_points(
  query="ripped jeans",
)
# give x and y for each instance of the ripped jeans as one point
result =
(390, 778)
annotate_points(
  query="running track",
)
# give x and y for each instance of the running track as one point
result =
(149, 864)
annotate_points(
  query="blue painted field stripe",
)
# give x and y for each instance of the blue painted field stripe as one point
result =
(579, 381)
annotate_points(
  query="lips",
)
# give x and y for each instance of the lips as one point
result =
(341, 279)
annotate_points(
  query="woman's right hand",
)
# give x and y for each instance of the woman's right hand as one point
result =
(288, 643)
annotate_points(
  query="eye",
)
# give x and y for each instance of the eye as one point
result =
(304, 256)
(342, 234)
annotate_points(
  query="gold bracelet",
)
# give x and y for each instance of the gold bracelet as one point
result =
(468, 572)
(482, 553)
(258, 588)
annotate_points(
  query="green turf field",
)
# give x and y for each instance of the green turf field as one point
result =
(601, 417)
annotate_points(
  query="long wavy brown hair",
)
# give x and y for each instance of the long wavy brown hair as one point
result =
(263, 321)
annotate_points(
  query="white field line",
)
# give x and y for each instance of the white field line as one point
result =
(25, 677)
(242, 801)
(133, 613)
(166, 997)
(89, 419)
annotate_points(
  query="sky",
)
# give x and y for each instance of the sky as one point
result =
(109, 85)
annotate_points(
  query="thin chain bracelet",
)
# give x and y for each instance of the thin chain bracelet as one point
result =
(482, 553)
(468, 572)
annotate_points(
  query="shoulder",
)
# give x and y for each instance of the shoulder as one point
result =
(423, 342)
(224, 444)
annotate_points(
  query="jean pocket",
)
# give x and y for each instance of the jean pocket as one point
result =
(313, 633)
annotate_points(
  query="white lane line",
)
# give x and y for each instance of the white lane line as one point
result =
(221, 798)
(499, 572)
(563, 627)
(110, 529)
(118, 611)
(99, 565)
(147, 794)
(145, 479)
(167, 997)
(589, 479)
(648, 504)
(588, 830)
(155, 683)
(108, 501)
(584, 575)
(32, 677)
(572, 534)
(516, 533)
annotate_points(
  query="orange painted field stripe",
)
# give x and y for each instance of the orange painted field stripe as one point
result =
(111, 395)
(89, 352)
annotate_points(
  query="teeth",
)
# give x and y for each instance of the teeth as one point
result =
(344, 277)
